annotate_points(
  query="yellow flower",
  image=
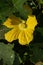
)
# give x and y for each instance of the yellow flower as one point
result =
(21, 30)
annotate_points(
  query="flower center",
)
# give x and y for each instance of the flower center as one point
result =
(22, 26)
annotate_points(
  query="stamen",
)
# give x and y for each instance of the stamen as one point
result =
(22, 26)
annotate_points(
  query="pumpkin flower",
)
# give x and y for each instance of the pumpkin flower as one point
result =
(20, 29)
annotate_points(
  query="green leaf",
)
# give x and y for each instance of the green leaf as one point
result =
(6, 53)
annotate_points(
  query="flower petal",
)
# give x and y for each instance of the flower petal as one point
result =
(31, 22)
(11, 21)
(29, 35)
(12, 35)
(25, 38)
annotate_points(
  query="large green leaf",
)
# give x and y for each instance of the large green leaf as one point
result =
(6, 53)
(9, 56)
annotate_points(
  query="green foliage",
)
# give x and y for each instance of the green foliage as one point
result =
(21, 54)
